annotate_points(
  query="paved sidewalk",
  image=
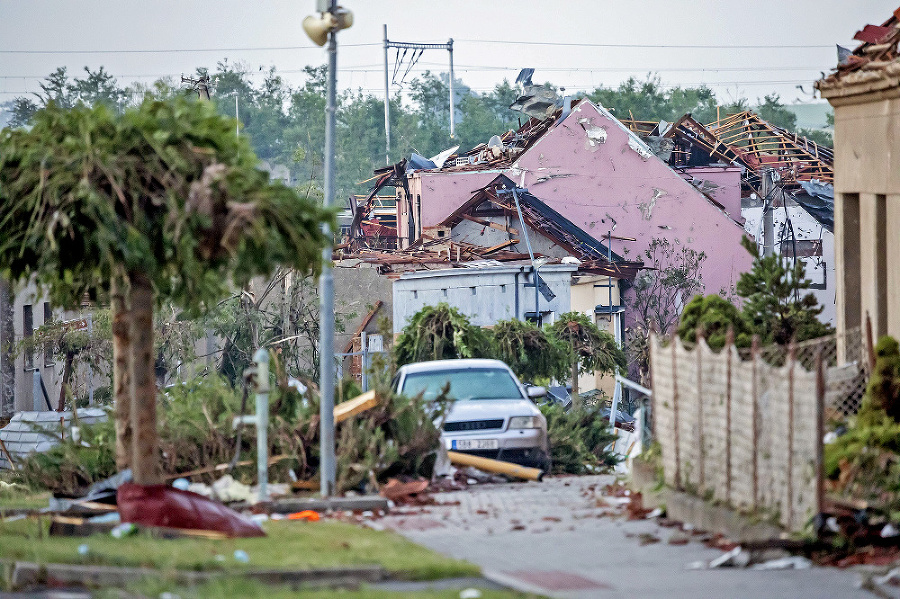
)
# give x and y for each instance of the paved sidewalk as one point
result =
(560, 538)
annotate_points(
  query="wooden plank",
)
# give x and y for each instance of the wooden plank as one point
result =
(220, 467)
(500, 246)
(9, 458)
(490, 224)
(362, 326)
(358, 404)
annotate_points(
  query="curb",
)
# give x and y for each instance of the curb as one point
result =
(513, 583)
(332, 504)
(26, 574)
(715, 518)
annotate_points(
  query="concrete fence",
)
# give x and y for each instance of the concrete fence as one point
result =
(741, 431)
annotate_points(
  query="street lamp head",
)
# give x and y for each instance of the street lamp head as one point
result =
(318, 27)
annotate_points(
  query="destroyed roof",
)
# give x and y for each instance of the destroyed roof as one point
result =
(873, 65)
(548, 222)
(745, 140)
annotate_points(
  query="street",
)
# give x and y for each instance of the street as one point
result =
(553, 538)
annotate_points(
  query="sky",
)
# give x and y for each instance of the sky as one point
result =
(738, 48)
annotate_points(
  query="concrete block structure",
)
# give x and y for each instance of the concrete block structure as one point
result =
(865, 93)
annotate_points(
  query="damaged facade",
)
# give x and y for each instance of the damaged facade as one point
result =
(864, 90)
(728, 161)
(578, 165)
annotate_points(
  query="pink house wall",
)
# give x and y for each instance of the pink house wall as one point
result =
(722, 183)
(598, 174)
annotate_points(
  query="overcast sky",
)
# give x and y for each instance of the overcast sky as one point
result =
(579, 44)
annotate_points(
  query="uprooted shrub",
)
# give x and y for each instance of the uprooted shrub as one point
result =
(70, 467)
(396, 438)
(864, 462)
(440, 333)
(580, 439)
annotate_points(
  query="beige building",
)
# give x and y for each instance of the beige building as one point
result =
(597, 296)
(865, 94)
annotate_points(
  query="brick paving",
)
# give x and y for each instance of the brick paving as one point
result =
(565, 538)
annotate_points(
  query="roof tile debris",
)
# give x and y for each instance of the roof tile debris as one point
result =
(876, 60)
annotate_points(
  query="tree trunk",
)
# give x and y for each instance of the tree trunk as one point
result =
(144, 455)
(67, 374)
(576, 398)
(121, 381)
(7, 356)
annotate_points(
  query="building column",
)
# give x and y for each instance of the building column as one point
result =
(892, 223)
(873, 257)
(847, 264)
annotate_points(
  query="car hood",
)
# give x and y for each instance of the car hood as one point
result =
(483, 409)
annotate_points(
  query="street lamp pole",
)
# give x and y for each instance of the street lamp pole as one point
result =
(321, 29)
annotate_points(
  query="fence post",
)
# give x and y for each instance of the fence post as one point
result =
(870, 342)
(364, 346)
(729, 346)
(675, 413)
(754, 353)
(820, 432)
(701, 440)
(792, 356)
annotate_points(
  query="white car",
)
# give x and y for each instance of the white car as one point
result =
(492, 415)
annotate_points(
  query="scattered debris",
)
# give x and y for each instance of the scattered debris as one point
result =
(794, 562)
(410, 492)
(309, 515)
(165, 507)
(736, 558)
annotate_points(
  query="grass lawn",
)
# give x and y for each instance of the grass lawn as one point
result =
(18, 497)
(289, 545)
(245, 589)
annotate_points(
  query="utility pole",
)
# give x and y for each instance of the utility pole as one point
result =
(768, 191)
(387, 95)
(387, 104)
(199, 85)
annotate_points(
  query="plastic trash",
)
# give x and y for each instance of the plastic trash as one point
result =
(889, 530)
(470, 594)
(311, 515)
(795, 562)
(181, 483)
(83, 549)
(123, 530)
(736, 558)
(110, 518)
(241, 556)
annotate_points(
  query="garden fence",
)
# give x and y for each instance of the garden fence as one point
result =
(744, 428)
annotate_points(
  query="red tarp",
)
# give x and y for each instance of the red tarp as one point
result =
(167, 507)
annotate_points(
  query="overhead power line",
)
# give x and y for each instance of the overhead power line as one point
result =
(667, 46)
(181, 50)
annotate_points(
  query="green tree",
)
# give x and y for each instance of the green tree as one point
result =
(648, 100)
(776, 305)
(440, 333)
(715, 315)
(773, 112)
(588, 349)
(163, 201)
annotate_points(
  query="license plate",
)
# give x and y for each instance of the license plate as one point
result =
(468, 444)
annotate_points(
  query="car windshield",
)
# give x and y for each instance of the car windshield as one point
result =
(465, 384)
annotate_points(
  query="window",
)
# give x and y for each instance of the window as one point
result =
(28, 333)
(48, 318)
(465, 384)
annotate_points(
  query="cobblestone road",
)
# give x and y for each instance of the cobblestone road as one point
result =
(564, 538)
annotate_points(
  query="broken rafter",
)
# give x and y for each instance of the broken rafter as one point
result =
(493, 225)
